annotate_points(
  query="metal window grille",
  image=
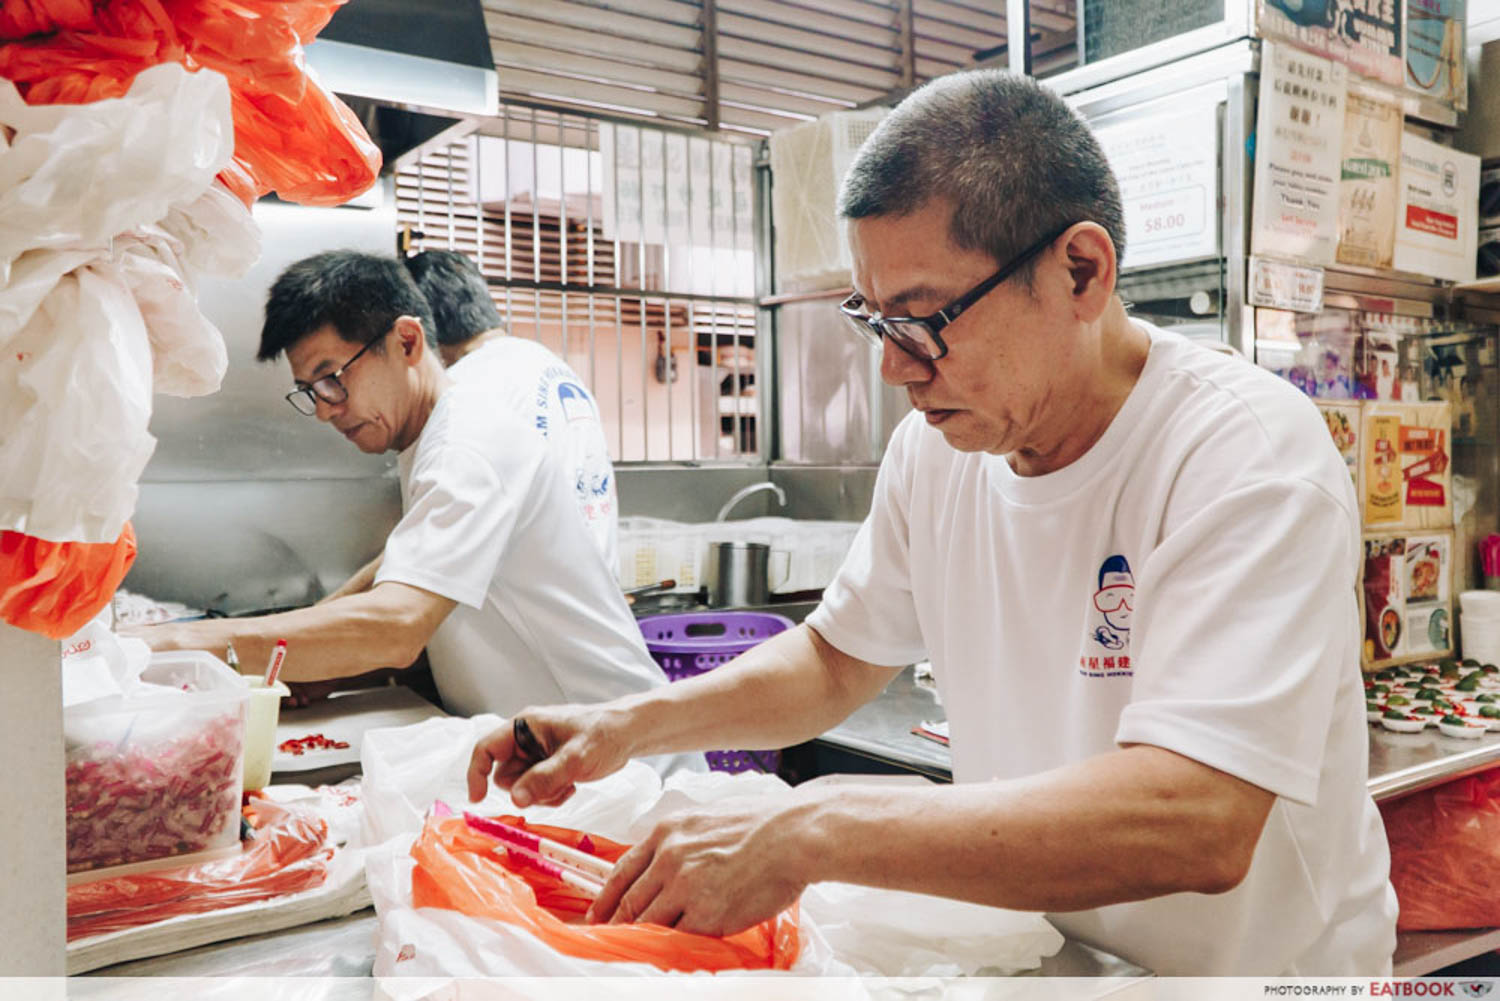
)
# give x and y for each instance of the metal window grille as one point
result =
(628, 250)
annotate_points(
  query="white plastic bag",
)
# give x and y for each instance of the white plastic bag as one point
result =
(102, 206)
(77, 175)
(846, 930)
(75, 401)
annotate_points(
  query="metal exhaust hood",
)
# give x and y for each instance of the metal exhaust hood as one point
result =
(417, 73)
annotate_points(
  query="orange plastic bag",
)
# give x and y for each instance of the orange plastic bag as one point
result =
(55, 588)
(1445, 854)
(291, 136)
(288, 854)
(19, 18)
(458, 869)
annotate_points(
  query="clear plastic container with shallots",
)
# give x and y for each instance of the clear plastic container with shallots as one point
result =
(156, 774)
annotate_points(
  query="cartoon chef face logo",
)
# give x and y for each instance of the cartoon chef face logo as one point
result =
(1113, 602)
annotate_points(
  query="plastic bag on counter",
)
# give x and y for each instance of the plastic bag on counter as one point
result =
(55, 588)
(1445, 854)
(289, 853)
(843, 930)
(457, 869)
(97, 664)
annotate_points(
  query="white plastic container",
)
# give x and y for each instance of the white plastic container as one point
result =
(157, 774)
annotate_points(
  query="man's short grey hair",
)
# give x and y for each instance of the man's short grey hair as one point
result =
(1011, 157)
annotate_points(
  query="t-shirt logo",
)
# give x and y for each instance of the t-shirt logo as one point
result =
(1112, 604)
(576, 405)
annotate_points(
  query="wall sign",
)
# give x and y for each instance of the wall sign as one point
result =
(1364, 35)
(1299, 128)
(1168, 169)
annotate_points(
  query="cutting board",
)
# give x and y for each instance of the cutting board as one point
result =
(346, 716)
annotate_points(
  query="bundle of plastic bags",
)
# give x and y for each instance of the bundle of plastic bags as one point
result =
(107, 211)
(292, 136)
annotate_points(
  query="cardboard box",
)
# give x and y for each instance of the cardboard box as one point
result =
(1407, 598)
(1406, 466)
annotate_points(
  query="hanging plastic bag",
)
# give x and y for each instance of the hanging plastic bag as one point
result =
(55, 588)
(289, 853)
(76, 177)
(457, 868)
(293, 136)
(1445, 854)
(19, 18)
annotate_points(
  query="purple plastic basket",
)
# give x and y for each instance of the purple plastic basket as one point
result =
(689, 643)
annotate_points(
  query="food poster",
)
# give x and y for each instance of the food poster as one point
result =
(1344, 427)
(1428, 623)
(1435, 51)
(1437, 211)
(1299, 131)
(1367, 179)
(1364, 35)
(1408, 480)
(1385, 561)
(1408, 598)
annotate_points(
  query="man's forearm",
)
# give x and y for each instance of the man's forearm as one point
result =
(348, 636)
(1128, 825)
(790, 688)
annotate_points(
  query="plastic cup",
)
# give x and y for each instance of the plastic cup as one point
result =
(1480, 604)
(260, 731)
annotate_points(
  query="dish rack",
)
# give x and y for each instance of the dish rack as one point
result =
(687, 644)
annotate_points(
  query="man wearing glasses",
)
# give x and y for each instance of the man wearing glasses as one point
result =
(1187, 790)
(493, 566)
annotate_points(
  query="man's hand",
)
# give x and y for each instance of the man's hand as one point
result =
(583, 743)
(714, 871)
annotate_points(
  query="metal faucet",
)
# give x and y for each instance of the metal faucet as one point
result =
(744, 492)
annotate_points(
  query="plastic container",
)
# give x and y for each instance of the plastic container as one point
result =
(260, 731)
(687, 644)
(157, 775)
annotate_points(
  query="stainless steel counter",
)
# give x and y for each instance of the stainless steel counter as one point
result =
(1402, 763)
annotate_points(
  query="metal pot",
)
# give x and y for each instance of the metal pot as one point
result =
(738, 574)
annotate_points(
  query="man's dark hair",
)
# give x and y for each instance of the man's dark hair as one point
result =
(1012, 158)
(461, 304)
(359, 295)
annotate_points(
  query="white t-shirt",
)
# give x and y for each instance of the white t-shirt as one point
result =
(526, 376)
(1188, 583)
(493, 520)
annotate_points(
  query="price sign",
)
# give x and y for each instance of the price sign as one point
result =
(1167, 167)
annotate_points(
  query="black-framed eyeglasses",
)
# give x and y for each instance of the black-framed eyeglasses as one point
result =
(919, 336)
(327, 388)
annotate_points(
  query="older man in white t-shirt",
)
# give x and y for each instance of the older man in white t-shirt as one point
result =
(1131, 561)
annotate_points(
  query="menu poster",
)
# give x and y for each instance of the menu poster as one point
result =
(1408, 479)
(1299, 127)
(1367, 179)
(1364, 35)
(1168, 170)
(1437, 211)
(1408, 597)
(1385, 608)
(1435, 50)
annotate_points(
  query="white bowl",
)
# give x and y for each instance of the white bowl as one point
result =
(1465, 731)
(1409, 725)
